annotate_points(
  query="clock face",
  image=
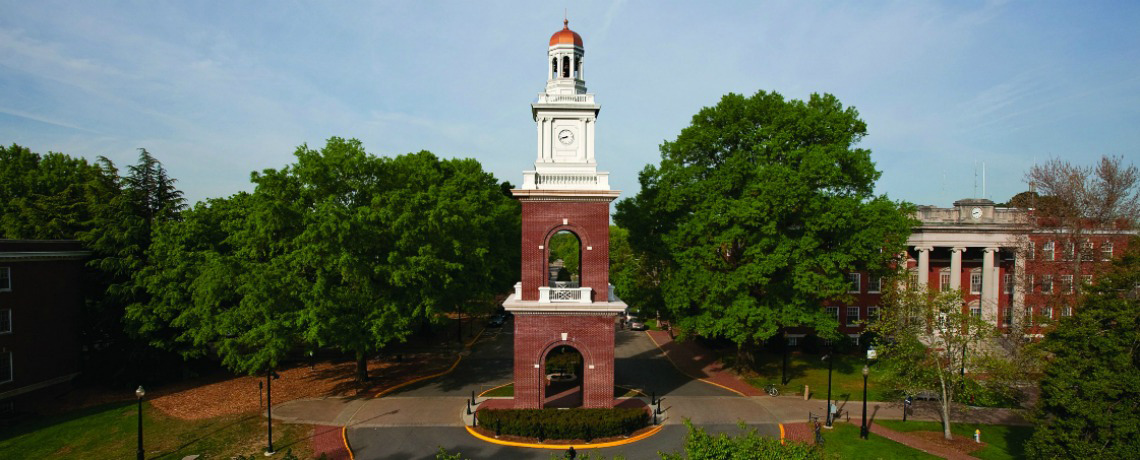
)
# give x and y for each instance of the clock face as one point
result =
(566, 136)
(976, 213)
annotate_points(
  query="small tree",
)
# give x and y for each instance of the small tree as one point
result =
(926, 342)
(1090, 395)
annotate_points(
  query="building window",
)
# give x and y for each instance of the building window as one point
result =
(1087, 250)
(1029, 283)
(853, 283)
(1086, 280)
(1066, 311)
(944, 280)
(852, 316)
(1046, 284)
(1047, 251)
(975, 281)
(872, 314)
(975, 309)
(875, 284)
(5, 367)
(912, 276)
(1007, 283)
(793, 341)
(1106, 251)
(1007, 317)
(1067, 284)
(1032, 251)
(5, 320)
(833, 311)
(1070, 248)
(5, 279)
(1046, 313)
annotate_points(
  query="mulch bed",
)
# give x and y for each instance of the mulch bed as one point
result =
(224, 393)
(558, 442)
(958, 444)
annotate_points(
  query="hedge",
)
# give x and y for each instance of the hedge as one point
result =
(586, 424)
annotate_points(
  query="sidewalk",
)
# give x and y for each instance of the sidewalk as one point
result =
(700, 363)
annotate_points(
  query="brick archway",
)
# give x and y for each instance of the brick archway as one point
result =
(583, 243)
(582, 351)
(536, 336)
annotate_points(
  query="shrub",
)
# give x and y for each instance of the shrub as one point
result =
(586, 424)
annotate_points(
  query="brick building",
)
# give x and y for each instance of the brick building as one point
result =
(1009, 266)
(565, 193)
(40, 303)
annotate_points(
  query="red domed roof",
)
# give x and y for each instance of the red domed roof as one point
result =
(566, 35)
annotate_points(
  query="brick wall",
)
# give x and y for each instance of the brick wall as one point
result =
(589, 220)
(536, 335)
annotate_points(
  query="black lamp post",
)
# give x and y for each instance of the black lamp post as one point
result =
(829, 359)
(140, 393)
(269, 378)
(863, 430)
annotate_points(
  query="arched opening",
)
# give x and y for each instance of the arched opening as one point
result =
(565, 260)
(577, 68)
(565, 66)
(553, 68)
(564, 377)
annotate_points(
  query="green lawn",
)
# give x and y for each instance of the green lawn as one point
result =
(1002, 441)
(844, 441)
(110, 432)
(805, 369)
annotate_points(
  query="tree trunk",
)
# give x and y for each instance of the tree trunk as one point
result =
(361, 366)
(944, 405)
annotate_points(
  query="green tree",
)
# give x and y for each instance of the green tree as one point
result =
(565, 246)
(1090, 394)
(923, 339)
(700, 445)
(757, 212)
(636, 276)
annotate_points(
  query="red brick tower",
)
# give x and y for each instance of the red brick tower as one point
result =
(565, 192)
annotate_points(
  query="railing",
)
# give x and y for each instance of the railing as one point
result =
(564, 294)
(566, 179)
(549, 98)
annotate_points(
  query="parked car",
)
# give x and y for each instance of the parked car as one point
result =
(498, 320)
(636, 324)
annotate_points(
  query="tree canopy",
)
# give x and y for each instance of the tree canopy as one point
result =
(757, 211)
(1090, 394)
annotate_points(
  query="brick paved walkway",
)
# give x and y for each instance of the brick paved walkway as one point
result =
(328, 440)
(799, 432)
(918, 443)
(699, 362)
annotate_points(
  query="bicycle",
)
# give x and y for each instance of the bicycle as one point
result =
(772, 390)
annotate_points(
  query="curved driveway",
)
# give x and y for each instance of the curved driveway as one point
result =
(415, 421)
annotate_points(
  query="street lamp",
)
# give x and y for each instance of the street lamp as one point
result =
(863, 430)
(829, 360)
(269, 378)
(139, 393)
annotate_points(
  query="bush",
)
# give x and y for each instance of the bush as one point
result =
(586, 424)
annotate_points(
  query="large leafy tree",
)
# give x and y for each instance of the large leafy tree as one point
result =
(757, 211)
(1090, 394)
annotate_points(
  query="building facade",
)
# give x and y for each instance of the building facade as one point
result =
(41, 299)
(564, 193)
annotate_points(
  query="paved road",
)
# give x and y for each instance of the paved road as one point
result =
(414, 422)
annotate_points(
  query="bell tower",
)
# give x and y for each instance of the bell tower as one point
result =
(565, 193)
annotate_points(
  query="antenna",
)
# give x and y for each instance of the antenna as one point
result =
(983, 179)
(975, 178)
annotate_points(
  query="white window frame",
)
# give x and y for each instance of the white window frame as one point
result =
(872, 314)
(976, 287)
(1106, 251)
(834, 311)
(5, 279)
(1047, 312)
(1046, 284)
(944, 280)
(852, 321)
(976, 309)
(1029, 284)
(1007, 316)
(1066, 311)
(1070, 250)
(857, 280)
(1049, 251)
(874, 285)
(1007, 283)
(1086, 280)
(1032, 251)
(5, 320)
(11, 367)
(1087, 250)
(793, 341)
(1067, 284)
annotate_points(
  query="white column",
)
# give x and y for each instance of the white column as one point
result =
(1019, 280)
(989, 286)
(956, 267)
(923, 266)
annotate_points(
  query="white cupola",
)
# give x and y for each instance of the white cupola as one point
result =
(565, 114)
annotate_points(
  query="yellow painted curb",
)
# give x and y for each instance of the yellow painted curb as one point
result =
(622, 442)
(494, 388)
(344, 436)
(710, 382)
(472, 342)
(409, 382)
(781, 434)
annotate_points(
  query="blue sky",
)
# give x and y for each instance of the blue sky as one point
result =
(218, 89)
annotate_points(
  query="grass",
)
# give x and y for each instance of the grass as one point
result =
(805, 369)
(508, 390)
(110, 432)
(1002, 441)
(844, 441)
